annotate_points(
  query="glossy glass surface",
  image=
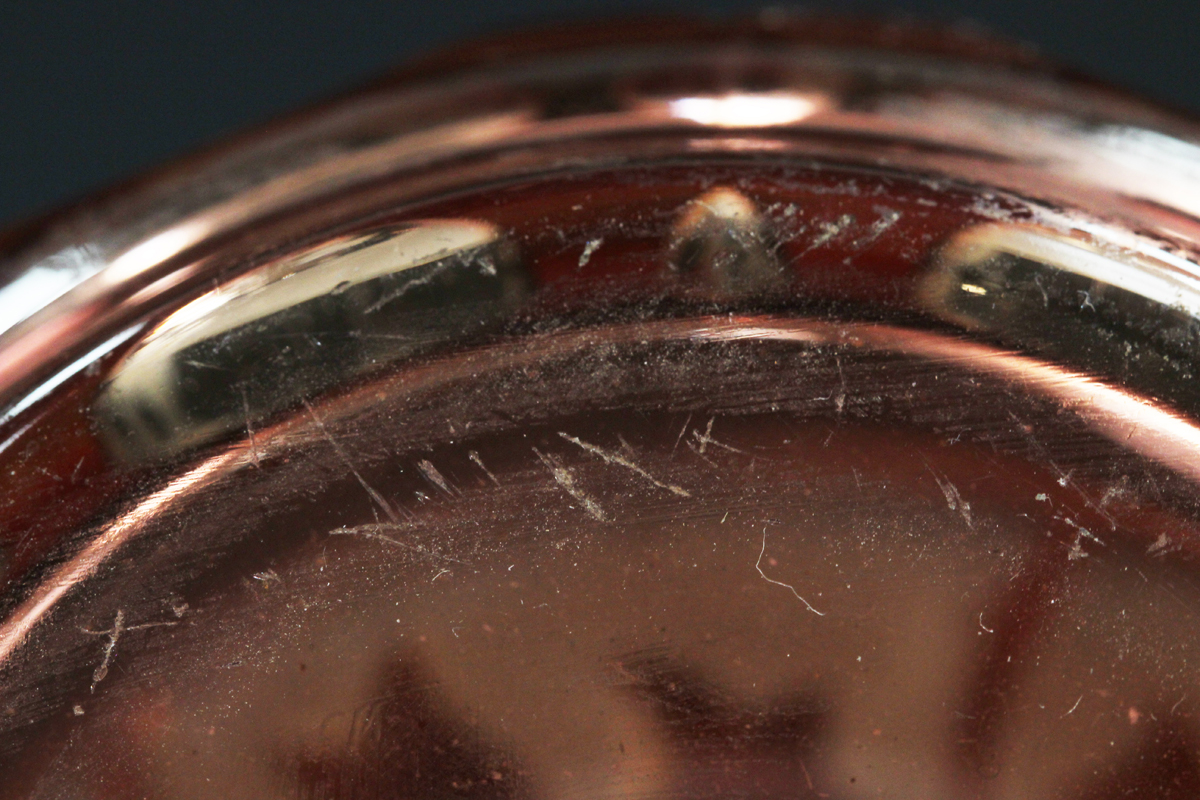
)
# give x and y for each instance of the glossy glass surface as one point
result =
(797, 410)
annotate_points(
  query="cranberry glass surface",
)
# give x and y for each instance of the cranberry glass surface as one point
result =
(780, 410)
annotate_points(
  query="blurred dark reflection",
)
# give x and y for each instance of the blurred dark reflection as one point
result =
(293, 328)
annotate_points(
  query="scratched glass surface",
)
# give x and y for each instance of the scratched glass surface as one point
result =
(794, 410)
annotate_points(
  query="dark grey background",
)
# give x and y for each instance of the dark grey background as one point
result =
(95, 90)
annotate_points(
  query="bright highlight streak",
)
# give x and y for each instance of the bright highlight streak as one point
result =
(63, 375)
(155, 250)
(18, 626)
(744, 110)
